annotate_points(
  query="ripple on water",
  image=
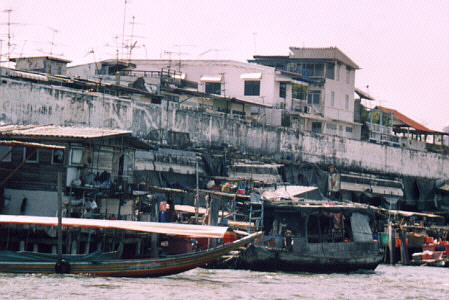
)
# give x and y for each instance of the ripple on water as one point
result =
(387, 282)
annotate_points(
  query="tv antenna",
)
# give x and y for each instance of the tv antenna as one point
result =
(9, 23)
(124, 22)
(52, 43)
(217, 52)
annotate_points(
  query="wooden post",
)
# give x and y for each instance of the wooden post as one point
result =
(154, 236)
(59, 217)
(197, 195)
(391, 243)
(213, 217)
(405, 259)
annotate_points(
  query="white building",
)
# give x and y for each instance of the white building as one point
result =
(278, 89)
(331, 76)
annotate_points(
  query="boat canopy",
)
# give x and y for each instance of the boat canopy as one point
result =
(153, 227)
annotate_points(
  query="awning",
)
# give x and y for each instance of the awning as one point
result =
(376, 189)
(291, 80)
(30, 76)
(162, 228)
(211, 78)
(287, 192)
(363, 95)
(251, 76)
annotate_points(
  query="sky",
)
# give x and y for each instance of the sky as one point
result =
(402, 47)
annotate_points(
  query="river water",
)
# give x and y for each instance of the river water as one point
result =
(386, 282)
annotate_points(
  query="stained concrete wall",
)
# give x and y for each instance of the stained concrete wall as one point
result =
(30, 103)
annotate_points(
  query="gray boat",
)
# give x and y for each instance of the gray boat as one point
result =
(314, 236)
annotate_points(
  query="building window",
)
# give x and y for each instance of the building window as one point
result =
(349, 129)
(213, 88)
(346, 102)
(31, 154)
(316, 127)
(58, 156)
(330, 70)
(331, 126)
(314, 98)
(5, 153)
(252, 88)
(348, 75)
(332, 98)
(282, 89)
(76, 156)
(313, 70)
(299, 91)
(338, 71)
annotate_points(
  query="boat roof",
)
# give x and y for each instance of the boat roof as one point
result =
(153, 227)
(311, 206)
(287, 191)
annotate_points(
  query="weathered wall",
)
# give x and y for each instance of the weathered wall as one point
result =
(26, 103)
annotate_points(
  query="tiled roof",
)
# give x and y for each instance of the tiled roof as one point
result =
(406, 120)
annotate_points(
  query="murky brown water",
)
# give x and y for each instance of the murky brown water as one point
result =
(387, 282)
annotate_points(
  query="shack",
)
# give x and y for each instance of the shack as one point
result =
(96, 165)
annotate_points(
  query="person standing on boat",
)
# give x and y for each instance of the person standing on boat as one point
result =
(333, 183)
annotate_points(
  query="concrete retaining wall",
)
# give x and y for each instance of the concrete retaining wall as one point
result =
(30, 103)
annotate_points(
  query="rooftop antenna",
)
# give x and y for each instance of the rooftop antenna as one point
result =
(132, 43)
(9, 23)
(95, 61)
(124, 22)
(9, 32)
(52, 43)
(21, 51)
(132, 37)
(217, 52)
(146, 53)
(181, 53)
(169, 57)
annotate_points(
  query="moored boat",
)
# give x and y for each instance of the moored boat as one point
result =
(314, 236)
(19, 262)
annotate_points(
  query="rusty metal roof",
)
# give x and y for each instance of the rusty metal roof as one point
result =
(58, 131)
(406, 120)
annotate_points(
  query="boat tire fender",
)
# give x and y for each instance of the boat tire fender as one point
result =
(62, 267)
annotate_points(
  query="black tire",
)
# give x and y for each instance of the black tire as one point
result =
(62, 267)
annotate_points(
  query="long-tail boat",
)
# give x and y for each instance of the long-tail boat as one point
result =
(104, 265)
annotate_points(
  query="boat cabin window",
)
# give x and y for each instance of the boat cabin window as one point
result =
(5, 153)
(328, 227)
(30, 154)
(361, 228)
(286, 223)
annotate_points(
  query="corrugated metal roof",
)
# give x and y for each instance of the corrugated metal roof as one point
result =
(28, 144)
(29, 75)
(58, 131)
(288, 192)
(406, 120)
